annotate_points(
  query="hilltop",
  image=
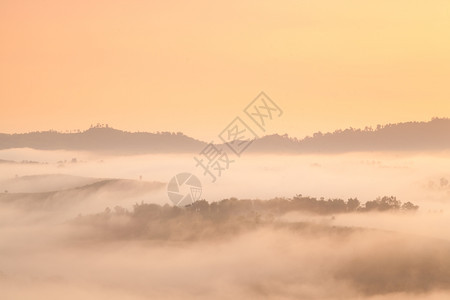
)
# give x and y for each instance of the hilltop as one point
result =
(410, 136)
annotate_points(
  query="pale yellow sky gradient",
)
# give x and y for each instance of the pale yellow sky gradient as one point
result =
(192, 66)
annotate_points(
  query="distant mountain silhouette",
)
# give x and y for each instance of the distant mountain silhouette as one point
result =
(411, 136)
(103, 139)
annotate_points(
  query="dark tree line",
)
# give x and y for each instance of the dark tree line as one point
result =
(219, 219)
(301, 203)
(233, 207)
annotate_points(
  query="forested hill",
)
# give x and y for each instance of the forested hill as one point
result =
(103, 139)
(411, 136)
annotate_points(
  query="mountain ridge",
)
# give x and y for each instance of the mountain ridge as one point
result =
(433, 135)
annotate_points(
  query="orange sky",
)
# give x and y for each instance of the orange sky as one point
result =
(192, 66)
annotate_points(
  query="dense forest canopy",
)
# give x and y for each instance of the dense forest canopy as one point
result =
(218, 219)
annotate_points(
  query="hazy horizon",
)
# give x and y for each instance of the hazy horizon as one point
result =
(155, 131)
(170, 66)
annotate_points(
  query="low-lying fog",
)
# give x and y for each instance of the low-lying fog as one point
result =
(420, 178)
(391, 255)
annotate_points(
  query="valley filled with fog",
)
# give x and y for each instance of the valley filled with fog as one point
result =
(81, 225)
(417, 177)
